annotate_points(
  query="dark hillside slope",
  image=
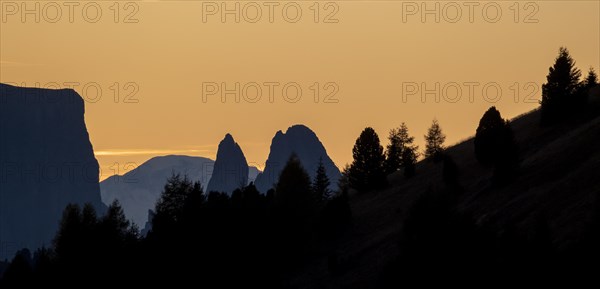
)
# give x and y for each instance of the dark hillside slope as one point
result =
(558, 177)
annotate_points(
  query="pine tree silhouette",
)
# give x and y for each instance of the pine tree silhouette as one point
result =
(488, 137)
(393, 153)
(559, 91)
(293, 192)
(434, 141)
(367, 170)
(592, 79)
(19, 271)
(321, 183)
(401, 151)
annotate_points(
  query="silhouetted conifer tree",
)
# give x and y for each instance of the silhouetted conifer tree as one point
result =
(293, 192)
(401, 151)
(68, 239)
(434, 141)
(559, 93)
(19, 272)
(495, 145)
(236, 198)
(321, 183)
(367, 170)
(115, 225)
(251, 197)
(409, 160)
(344, 180)
(43, 263)
(170, 206)
(488, 137)
(586, 86)
(393, 153)
(296, 211)
(591, 80)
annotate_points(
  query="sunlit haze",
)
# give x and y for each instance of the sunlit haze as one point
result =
(375, 63)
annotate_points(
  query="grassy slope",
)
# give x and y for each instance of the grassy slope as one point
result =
(560, 171)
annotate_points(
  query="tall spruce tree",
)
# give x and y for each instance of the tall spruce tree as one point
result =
(296, 204)
(559, 93)
(397, 156)
(409, 151)
(321, 183)
(495, 145)
(591, 80)
(367, 169)
(393, 154)
(434, 141)
(586, 87)
(409, 160)
(488, 137)
(293, 192)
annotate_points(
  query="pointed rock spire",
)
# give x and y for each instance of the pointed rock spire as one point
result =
(231, 168)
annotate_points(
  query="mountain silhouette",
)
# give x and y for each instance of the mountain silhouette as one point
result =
(302, 141)
(139, 189)
(46, 162)
(230, 169)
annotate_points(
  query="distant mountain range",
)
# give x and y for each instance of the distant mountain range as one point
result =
(139, 189)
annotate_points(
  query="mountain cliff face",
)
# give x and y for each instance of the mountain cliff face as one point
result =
(46, 162)
(139, 189)
(302, 141)
(231, 168)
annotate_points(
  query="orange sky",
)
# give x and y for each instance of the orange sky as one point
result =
(372, 56)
